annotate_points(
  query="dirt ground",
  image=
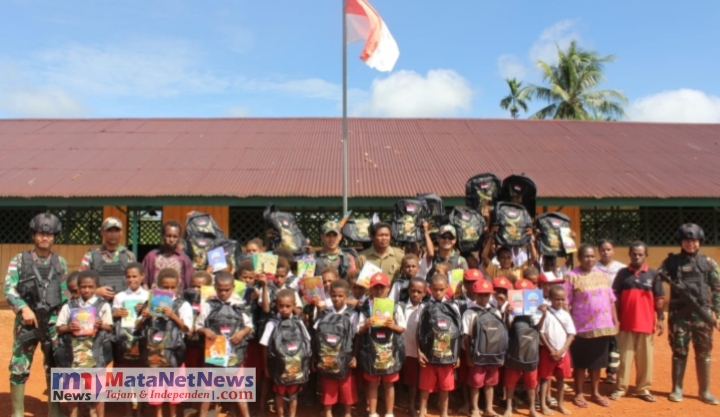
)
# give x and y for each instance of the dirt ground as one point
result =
(35, 401)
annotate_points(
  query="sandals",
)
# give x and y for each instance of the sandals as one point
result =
(579, 402)
(601, 401)
(647, 397)
(615, 396)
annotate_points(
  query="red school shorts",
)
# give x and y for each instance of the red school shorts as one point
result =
(480, 376)
(334, 390)
(512, 376)
(286, 390)
(437, 378)
(394, 377)
(547, 368)
(411, 371)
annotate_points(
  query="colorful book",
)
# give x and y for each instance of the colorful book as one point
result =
(532, 299)
(216, 259)
(516, 300)
(456, 278)
(311, 287)
(216, 352)
(382, 309)
(85, 317)
(129, 304)
(367, 271)
(306, 268)
(257, 266)
(160, 299)
(207, 292)
(240, 288)
(269, 262)
(567, 240)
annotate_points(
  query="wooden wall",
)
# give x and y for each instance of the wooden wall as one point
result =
(221, 214)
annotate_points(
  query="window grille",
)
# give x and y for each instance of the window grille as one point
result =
(80, 226)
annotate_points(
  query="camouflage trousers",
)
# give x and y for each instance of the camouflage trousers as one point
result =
(686, 327)
(22, 353)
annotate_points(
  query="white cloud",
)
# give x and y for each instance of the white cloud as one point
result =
(676, 106)
(510, 66)
(239, 111)
(441, 93)
(560, 34)
(19, 98)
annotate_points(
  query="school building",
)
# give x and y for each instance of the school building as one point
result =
(624, 181)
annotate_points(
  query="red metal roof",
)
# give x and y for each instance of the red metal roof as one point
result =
(388, 157)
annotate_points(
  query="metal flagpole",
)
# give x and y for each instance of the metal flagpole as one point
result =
(344, 110)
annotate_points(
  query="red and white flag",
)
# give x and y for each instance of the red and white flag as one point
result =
(364, 24)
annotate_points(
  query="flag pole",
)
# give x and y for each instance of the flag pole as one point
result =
(344, 110)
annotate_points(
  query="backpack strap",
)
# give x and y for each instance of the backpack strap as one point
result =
(558, 320)
(56, 265)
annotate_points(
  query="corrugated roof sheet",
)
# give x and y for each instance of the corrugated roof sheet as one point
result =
(251, 157)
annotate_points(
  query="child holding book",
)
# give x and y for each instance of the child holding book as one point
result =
(85, 349)
(287, 372)
(381, 353)
(212, 324)
(417, 290)
(334, 351)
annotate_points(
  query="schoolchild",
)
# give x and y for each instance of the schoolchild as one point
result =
(556, 334)
(195, 341)
(417, 291)
(73, 292)
(163, 338)
(505, 259)
(221, 315)
(409, 267)
(334, 353)
(357, 292)
(438, 337)
(466, 299)
(501, 286)
(531, 274)
(482, 322)
(382, 349)
(254, 246)
(545, 282)
(287, 352)
(81, 352)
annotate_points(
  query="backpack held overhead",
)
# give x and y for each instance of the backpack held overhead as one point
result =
(519, 189)
(513, 221)
(482, 189)
(287, 231)
(84, 351)
(439, 333)
(524, 347)
(200, 224)
(289, 353)
(407, 218)
(548, 227)
(357, 230)
(489, 338)
(334, 345)
(436, 211)
(469, 225)
(382, 351)
(163, 343)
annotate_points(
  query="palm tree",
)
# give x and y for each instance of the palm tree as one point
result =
(517, 98)
(570, 88)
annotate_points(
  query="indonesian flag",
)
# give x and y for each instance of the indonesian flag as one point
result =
(364, 24)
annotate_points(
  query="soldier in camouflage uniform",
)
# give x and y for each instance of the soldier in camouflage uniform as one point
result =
(33, 288)
(110, 260)
(701, 278)
(332, 254)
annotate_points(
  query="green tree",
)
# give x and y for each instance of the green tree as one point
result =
(517, 99)
(570, 88)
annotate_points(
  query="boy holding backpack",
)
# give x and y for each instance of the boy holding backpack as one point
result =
(485, 345)
(523, 352)
(438, 338)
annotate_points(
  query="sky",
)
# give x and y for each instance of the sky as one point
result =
(282, 58)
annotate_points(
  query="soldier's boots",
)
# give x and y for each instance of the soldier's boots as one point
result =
(702, 366)
(53, 407)
(677, 374)
(17, 398)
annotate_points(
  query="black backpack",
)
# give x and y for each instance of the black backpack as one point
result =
(334, 345)
(549, 241)
(489, 338)
(524, 346)
(287, 231)
(163, 343)
(439, 333)
(357, 230)
(232, 250)
(289, 352)
(407, 218)
(382, 351)
(469, 226)
(513, 221)
(200, 224)
(482, 187)
(194, 299)
(97, 347)
(436, 211)
(198, 248)
(520, 185)
(227, 319)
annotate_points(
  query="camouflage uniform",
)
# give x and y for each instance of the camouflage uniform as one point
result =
(110, 257)
(22, 354)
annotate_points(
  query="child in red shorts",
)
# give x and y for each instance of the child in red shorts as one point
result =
(195, 342)
(557, 333)
(416, 292)
(464, 299)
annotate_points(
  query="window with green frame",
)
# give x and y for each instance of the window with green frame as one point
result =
(80, 225)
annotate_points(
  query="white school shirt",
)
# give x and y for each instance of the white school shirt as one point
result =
(205, 311)
(105, 313)
(469, 317)
(519, 258)
(120, 297)
(424, 268)
(555, 326)
(611, 270)
(399, 316)
(270, 328)
(298, 301)
(412, 314)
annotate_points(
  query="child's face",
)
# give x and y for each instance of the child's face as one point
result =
(545, 289)
(467, 286)
(550, 264)
(224, 289)
(358, 291)
(169, 284)
(338, 297)
(482, 299)
(281, 276)
(441, 269)
(410, 268)
(501, 295)
(413, 248)
(73, 289)
(505, 259)
(328, 279)
(378, 291)
(133, 277)
(417, 291)
(197, 282)
(87, 288)
(285, 306)
(533, 278)
(252, 248)
(558, 299)
(473, 262)
(437, 290)
(248, 277)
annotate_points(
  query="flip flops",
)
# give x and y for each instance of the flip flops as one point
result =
(579, 402)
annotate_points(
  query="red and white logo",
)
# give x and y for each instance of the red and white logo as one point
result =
(410, 208)
(442, 324)
(331, 338)
(292, 347)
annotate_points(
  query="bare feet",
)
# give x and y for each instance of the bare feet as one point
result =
(546, 411)
(465, 409)
(508, 412)
(533, 413)
(561, 408)
(475, 413)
